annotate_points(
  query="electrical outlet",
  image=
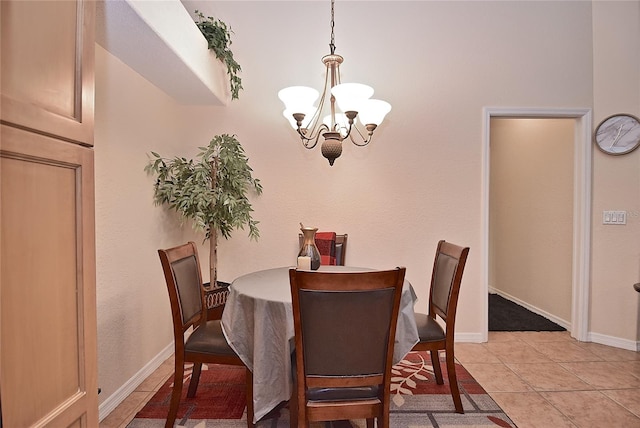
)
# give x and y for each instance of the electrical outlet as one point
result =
(614, 217)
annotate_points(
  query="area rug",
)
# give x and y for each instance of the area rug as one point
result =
(505, 315)
(416, 401)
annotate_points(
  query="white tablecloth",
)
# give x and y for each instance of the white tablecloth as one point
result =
(258, 324)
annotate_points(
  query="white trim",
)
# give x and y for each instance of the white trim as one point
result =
(562, 323)
(581, 228)
(484, 223)
(128, 387)
(581, 210)
(616, 342)
(468, 338)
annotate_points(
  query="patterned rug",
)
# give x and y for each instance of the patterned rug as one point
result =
(416, 401)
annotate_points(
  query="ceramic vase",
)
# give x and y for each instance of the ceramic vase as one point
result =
(309, 248)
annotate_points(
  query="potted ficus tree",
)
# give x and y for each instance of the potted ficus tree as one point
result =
(211, 191)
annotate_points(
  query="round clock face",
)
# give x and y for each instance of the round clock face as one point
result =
(618, 134)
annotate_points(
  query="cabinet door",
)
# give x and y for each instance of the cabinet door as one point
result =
(47, 67)
(48, 373)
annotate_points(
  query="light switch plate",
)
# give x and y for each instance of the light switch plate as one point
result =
(614, 217)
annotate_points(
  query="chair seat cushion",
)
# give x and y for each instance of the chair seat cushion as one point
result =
(209, 339)
(334, 394)
(428, 329)
(340, 394)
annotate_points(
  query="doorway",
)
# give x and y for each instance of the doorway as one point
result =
(576, 299)
(530, 223)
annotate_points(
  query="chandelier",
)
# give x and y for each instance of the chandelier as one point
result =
(353, 100)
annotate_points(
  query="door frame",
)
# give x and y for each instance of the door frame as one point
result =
(581, 267)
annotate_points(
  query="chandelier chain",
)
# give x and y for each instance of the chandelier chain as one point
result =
(332, 46)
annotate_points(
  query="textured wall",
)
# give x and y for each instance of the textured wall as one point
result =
(134, 318)
(616, 179)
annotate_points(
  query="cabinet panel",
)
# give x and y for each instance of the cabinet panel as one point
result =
(47, 67)
(47, 271)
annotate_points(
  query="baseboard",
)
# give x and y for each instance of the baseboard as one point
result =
(469, 337)
(125, 390)
(603, 339)
(563, 323)
(616, 342)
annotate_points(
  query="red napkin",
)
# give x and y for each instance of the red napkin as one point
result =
(326, 243)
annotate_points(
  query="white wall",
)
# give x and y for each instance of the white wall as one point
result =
(134, 322)
(616, 249)
(438, 64)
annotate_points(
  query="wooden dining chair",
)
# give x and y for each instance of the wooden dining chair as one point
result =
(207, 343)
(446, 277)
(345, 325)
(341, 248)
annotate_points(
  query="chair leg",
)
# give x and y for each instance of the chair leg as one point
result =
(299, 419)
(175, 394)
(250, 414)
(195, 380)
(435, 363)
(382, 420)
(370, 423)
(453, 381)
(293, 410)
(297, 411)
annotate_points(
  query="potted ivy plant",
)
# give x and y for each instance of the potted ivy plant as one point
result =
(211, 191)
(218, 36)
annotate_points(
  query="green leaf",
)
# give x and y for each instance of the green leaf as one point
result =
(218, 37)
(186, 187)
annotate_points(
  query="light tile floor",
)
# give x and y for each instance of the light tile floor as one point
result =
(540, 379)
(548, 379)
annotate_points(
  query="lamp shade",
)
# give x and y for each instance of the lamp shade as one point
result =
(298, 99)
(373, 112)
(350, 96)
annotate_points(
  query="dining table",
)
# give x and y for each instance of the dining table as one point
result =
(257, 321)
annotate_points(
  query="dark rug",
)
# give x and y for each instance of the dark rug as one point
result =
(505, 315)
(416, 401)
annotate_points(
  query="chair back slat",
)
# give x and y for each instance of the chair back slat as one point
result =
(330, 347)
(183, 276)
(341, 248)
(448, 267)
(186, 274)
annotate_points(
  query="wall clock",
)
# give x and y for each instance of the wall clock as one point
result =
(618, 134)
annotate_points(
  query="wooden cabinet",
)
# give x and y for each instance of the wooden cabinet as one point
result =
(47, 67)
(48, 364)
